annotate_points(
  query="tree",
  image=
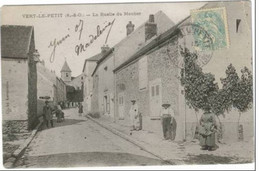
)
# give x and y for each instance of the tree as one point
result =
(200, 89)
(224, 99)
(202, 93)
(236, 92)
(243, 94)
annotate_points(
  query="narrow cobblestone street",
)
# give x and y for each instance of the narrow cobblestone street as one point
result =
(80, 142)
(67, 145)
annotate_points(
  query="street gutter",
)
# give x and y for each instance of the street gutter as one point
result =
(131, 140)
(20, 151)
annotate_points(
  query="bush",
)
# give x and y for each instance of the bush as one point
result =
(94, 114)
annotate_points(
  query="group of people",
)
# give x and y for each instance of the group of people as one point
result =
(206, 130)
(169, 123)
(48, 113)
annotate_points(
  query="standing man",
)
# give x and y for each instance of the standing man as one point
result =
(133, 113)
(168, 122)
(47, 114)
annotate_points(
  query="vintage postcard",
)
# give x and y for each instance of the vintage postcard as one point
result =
(127, 84)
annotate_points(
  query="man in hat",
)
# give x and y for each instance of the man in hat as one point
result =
(47, 114)
(167, 117)
(133, 113)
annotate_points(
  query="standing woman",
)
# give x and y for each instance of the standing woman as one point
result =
(80, 109)
(207, 131)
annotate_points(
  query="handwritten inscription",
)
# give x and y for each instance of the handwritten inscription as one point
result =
(79, 48)
(53, 44)
(79, 28)
(83, 46)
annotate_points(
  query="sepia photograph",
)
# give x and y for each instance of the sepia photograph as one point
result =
(127, 84)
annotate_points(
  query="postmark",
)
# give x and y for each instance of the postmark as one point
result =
(196, 40)
(214, 21)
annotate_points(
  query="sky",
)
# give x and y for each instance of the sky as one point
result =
(77, 30)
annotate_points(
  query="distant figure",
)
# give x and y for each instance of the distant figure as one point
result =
(47, 114)
(168, 122)
(80, 109)
(207, 131)
(59, 114)
(134, 116)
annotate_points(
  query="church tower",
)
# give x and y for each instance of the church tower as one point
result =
(65, 72)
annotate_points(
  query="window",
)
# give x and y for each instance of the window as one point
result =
(106, 104)
(67, 75)
(238, 29)
(155, 90)
(143, 75)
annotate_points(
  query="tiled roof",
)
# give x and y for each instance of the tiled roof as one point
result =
(94, 58)
(136, 39)
(15, 40)
(163, 37)
(65, 67)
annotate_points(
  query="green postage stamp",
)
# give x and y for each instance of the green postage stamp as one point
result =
(213, 21)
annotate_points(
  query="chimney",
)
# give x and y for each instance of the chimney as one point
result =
(150, 28)
(129, 28)
(104, 49)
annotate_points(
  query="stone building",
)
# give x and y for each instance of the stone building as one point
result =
(46, 85)
(150, 76)
(88, 68)
(60, 91)
(74, 85)
(103, 99)
(19, 78)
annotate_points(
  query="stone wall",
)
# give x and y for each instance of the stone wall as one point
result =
(88, 85)
(14, 89)
(94, 98)
(14, 126)
(32, 88)
(159, 66)
(127, 83)
(45, 82)
(106, 85)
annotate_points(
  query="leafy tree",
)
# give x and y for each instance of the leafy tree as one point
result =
(224, 99)
(203, 94)
(243, 94)
(236, 92)
(200, 89)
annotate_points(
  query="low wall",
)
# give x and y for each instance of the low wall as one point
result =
(15, 126)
